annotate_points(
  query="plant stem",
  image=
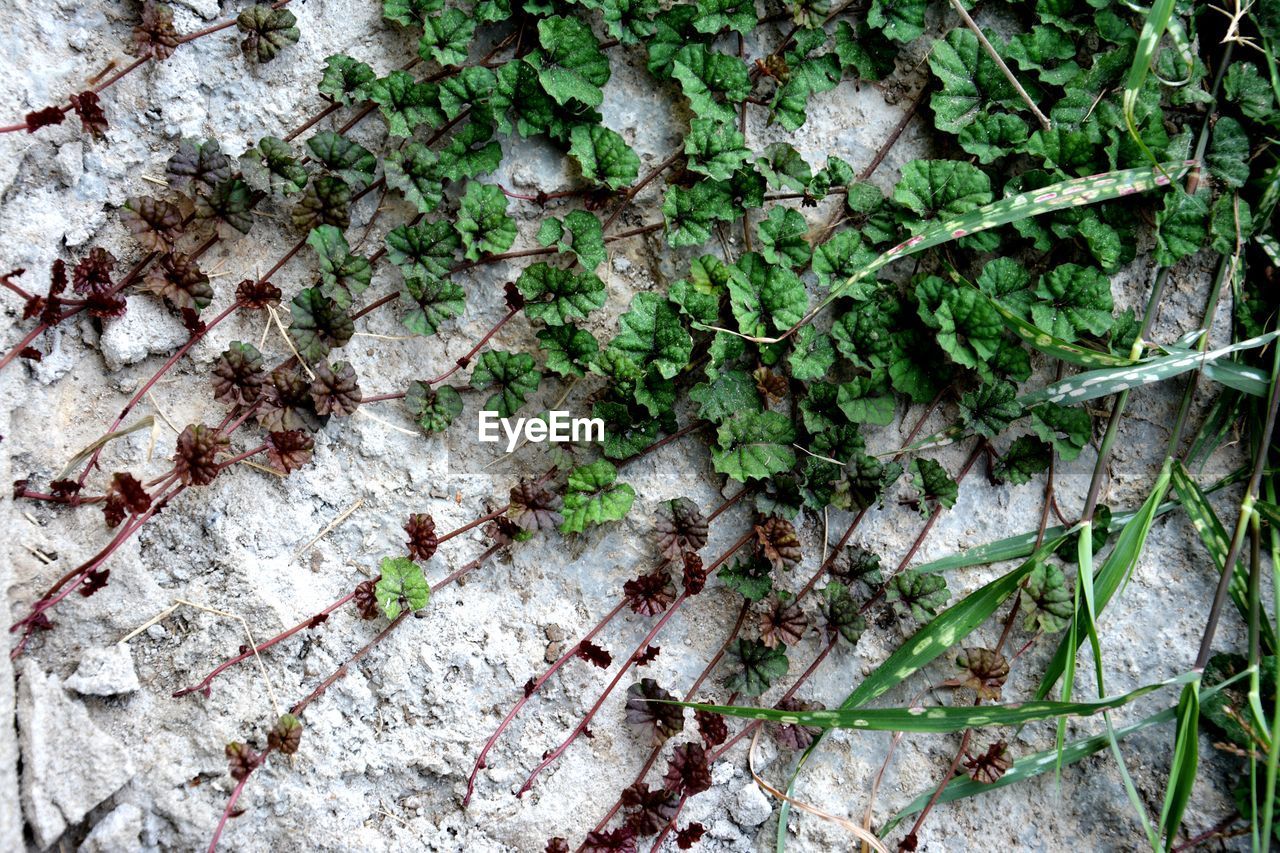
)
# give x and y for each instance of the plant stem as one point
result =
(641, 184)
(1246, 514)
(530, 691)
(626, 665)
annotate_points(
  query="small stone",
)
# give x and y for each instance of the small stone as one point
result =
(104, 672)
(621, 264)
(553, 652)
(69, 765)
(750, 807)
(157, 632)
(554, 632)
(117, 831)
(147, 328)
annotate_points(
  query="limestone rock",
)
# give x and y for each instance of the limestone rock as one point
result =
(119, 830)
(104, 672)
(69, 765)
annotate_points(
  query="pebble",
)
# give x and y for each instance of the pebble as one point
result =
(751, 806)
(104, 672)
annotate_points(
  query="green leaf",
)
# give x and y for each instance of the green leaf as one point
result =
(992, 136)
(1228, 154)
(1230, 222)
(1180, 226)
(1074, 300)
(425, 250)
(472, 88)
(704, 73)
(570, 64)
(900, 20)
(327, 201)
(604, 156)
(933, 483)
(446, 37)
(864, 336)
(970, 81)
(319, 323)
(354, 163)
(714, 148)
(512, 375)
(969, 329)
(271, 166)
(866, 400)
(716, 15)
(1046, 50)
(939, 719)
(408, 13)
(1186, 759)
(431, 301)
(989, 409)
(414, 171)
(811, 77)
(1066, 429)
(1025, 458)
(629, 21)
(267, 31)
(405, 103)
(917, 594)
(840, 258)
(750, 578)
(731, 392)
(946, 188)
(866, 55)
(1064, 149)
(342, 274)
(461, 159)
(1104, 382)
(764, 296)
(585, 236)
(1244, 86)
(756, 666)
(691, 212)
(345, 78)
(651, 334)
(754, 445)
(483, 223)
(784, 168)
(401, 587)
(593, 497)
(433, 408)
(569, 349)
(1046, 600)
(784, 238)
(812, 356)
(557, 296)
(1205, 521)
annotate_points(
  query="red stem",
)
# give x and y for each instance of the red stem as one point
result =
(653, 632)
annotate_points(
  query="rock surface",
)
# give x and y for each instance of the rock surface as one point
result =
(104, 672)
(69, 764)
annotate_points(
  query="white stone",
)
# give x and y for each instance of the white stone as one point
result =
(69, 765)
(104, 672)
(119, 830)
(751, 806)
(147, 327)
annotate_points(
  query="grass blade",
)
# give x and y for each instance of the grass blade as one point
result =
(1214, 536)
(1030, 766)
(1186, 757)
(1115, 569)
(1112, 380)
(1041, 341)
(940, 719)
(1144, 54)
